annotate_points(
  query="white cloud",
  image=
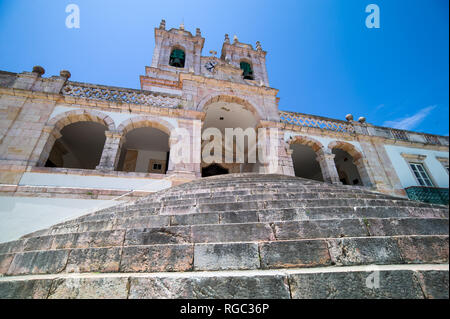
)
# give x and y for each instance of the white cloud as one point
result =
(408, 123)
(379, 107)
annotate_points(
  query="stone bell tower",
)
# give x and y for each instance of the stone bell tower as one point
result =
(239, 54)
(168, 41)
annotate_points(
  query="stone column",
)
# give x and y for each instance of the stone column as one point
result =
(171, 165)
(111, 151)
(186, 143)
(362, 166)
(328, 167)
(273, 155)
(288, 164)
(44, 146)
(181, 171)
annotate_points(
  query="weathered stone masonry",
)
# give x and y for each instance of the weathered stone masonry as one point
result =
(35, 110)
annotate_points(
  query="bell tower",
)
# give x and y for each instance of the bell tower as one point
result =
(252, 62)
(177, 50)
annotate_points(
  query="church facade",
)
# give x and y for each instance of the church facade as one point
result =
(65, 139)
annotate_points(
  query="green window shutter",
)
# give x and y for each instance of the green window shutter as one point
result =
(248, 72)
(177, 58)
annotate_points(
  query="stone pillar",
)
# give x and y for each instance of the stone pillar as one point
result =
(171, 165)
(269, 150)
(182, 170)
(44, 146)
(111, 151)
(362, 165)
(288, 165)
(328, 167)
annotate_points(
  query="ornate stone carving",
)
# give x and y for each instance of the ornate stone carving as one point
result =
(119, 95)
(315, 121)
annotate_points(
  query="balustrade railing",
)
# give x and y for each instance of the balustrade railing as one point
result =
(307, 120)
(399, 135)
(315, 121)
(119, 95)
(428, 194)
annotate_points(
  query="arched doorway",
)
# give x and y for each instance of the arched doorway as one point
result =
(213, 169)
(350, 164)
(145, 150)
(80, 146)
(305, 162)
(235, 121)
(304, 158)
(347, 170)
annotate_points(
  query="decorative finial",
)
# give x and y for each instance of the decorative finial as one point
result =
(65, 74)
(258, 46)
(162, 25)
(212, 52)
(198, 33)
(362, 119)
(227, 39)
(39, 70)
(235, 39)
(349, 117)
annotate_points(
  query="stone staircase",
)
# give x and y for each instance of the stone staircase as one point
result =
(239, 236)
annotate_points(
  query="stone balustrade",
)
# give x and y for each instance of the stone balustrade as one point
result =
(120, 95)
(313, 121)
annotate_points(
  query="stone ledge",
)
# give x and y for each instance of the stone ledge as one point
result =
(293, 283)
(94, 172)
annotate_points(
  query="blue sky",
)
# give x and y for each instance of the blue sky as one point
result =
(321, 56)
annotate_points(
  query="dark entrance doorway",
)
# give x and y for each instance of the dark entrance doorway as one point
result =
(213, 169)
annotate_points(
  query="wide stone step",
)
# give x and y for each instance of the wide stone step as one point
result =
(191, 206)
(173, 200)
(230, 256)
(395, 282)
(252, 189)
(136, 219)
(155, 207)
(98, 235)
(245, 195)
(276, 204)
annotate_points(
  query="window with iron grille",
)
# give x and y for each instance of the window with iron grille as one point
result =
(421, 174)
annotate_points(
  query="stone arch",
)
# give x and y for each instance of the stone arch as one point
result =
(145, 121)
(220, 97)
(317, 146)
(52, 130)
(138, 136)
(362, 165)
(247, 73)
(224, 111)
(178, 47)
(308, 159)
(349, 148)
(74, 116)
